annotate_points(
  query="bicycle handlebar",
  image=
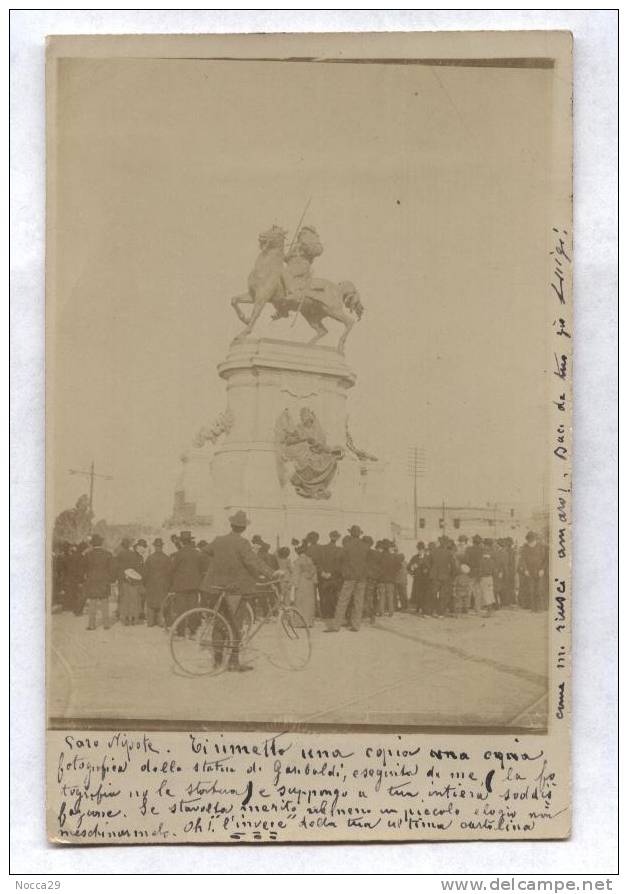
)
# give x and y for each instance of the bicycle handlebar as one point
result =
(232, 588)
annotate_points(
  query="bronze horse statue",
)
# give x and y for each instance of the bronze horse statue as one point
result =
(285, 281)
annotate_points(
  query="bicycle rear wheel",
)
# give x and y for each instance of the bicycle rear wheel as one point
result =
(292, 646)
(201, 642)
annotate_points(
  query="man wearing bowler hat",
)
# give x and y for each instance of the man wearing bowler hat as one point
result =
(128, 559)
(354, 571)
(419, 569)
(327, 560)
(236, 567)
(443, 570)
(373, 568)
(388, 575)
(187, 566)
(157, 571)
(100, 574)
(532, 570)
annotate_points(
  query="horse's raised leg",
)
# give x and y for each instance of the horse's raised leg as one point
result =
(258, 307)
(259, 303)
(237, 300)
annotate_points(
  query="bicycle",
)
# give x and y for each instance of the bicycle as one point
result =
(203, 641)
(169, 614)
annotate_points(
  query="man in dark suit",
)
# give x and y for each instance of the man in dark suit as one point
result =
(443, 570)
(233, 560)
(187, 568)
(532, 569)
(100, 573)
(508, 560)
(75, 578)
(388, 575)
(354, 572)
(481, 567)
(419, 569)
(128, 559)
(234, 566)
(373, 571)
(401, 583)
(157, 573)
(327, 559)
(60, 574)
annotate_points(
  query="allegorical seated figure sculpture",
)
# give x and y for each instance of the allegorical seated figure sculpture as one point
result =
(305, 447)
(285, 280)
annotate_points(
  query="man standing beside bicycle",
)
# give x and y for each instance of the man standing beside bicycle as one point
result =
(235, 567)
(188, 565)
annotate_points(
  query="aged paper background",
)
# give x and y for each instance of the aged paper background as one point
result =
(72, 780)
(592, 845)
(491, 767)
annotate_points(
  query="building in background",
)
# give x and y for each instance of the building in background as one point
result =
(489, 520)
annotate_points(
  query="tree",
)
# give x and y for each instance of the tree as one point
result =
(74, 524)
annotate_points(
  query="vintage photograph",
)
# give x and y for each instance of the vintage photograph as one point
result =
(300, 387)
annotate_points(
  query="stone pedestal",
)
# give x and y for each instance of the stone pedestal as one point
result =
(263, 378)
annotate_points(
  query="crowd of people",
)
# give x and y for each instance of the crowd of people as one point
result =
(484, 575)
(343, 582)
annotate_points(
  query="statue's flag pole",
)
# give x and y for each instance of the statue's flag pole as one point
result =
(296, 233)
(298, 226)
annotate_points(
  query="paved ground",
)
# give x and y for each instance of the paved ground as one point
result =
(405, 670)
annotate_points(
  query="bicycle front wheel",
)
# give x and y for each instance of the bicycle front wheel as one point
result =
(292, 645)
(201, 642)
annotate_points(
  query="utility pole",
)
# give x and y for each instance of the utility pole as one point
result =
(91, 475)
(416, 469)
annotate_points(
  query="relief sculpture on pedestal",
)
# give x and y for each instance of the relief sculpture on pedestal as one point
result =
(304, 446)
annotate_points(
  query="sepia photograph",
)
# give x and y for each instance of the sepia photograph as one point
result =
(312, 490)
(300, 389)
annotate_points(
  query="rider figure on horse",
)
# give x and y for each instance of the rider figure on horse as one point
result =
(285, 280)
(297, 275)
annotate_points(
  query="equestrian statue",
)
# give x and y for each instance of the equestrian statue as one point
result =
(284, 279)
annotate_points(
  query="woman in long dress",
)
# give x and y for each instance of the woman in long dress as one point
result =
(285, 566)
(419, 568)
(130, 597)
(304, 577)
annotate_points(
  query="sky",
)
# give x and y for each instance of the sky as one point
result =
(429, 190)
